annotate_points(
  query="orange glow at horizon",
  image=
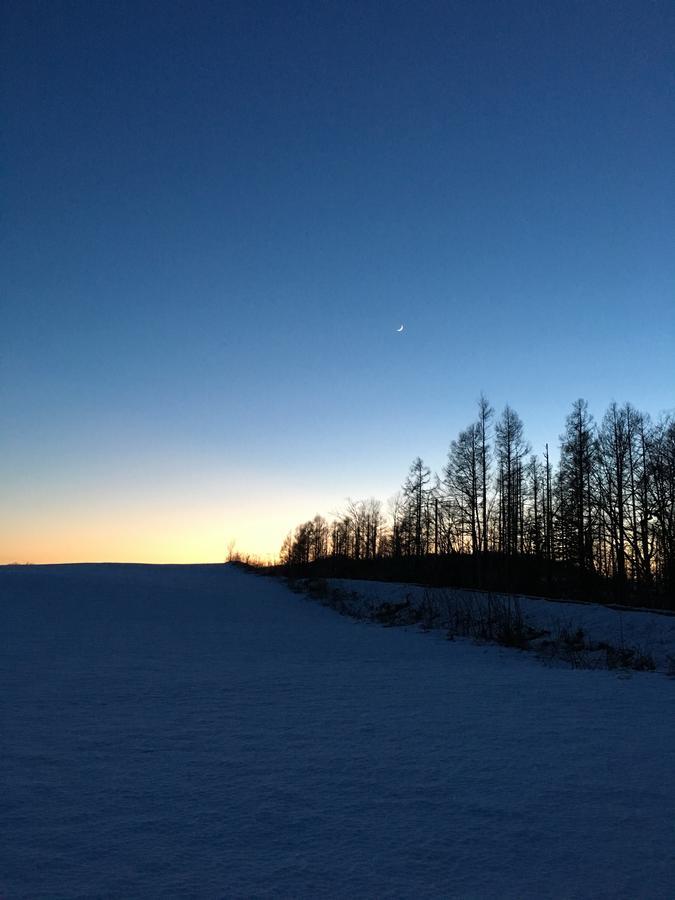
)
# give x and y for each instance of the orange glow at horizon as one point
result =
(155, 510)
(149, 542)
(177, 535)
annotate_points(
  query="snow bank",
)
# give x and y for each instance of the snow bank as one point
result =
(650, 633)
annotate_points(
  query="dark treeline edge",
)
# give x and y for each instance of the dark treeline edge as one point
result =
(599, 524)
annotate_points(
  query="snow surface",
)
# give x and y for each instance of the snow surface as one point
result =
(194, 731)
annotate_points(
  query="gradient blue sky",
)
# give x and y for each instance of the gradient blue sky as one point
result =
(215, 216)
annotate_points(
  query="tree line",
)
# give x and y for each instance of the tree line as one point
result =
(604, 509)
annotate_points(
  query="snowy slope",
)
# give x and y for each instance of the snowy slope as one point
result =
(195, 731)
(650, 632)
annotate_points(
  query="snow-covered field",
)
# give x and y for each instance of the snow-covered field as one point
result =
(194, 731)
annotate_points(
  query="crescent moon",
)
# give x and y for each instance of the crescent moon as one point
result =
(400, 329)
